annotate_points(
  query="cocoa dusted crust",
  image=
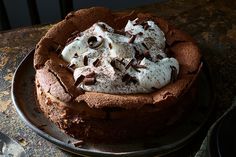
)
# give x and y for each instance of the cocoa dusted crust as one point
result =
(61, 101)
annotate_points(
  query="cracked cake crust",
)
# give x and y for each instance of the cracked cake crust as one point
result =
(55, 81)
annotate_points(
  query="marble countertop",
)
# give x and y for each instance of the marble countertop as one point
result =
(211, 22)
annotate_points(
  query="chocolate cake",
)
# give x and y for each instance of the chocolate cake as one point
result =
(110, 76)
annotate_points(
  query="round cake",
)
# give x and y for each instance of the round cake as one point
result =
(112, 76)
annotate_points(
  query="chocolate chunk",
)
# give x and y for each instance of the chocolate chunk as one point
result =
(89, 81)
(129, 64)
(131, 40)
(79, 80)
(97, 62)
(145, 46)
(173, 74)
(85, 60)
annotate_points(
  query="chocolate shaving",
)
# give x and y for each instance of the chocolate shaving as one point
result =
(146, 26)
(96, 63)
(131, 40)
(129, 64)
(121, 61)
(137, 54)
(75, 55)
(70, 67)
(140, 33)
(145, 46)
(92, 40)
(159, 57)
(89, 81)
(85, 60)
(102, 26)
(113, 64)
(94, 43)
(79, 80)
(127, 78)
(78, 143)
(173, 74)
(147, 55)
(110, 46)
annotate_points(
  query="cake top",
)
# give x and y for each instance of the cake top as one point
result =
(55, 77)
(132, 60)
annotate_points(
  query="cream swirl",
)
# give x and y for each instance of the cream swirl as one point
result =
(121, 62)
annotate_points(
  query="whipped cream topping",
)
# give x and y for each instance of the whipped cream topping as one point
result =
(121, 62)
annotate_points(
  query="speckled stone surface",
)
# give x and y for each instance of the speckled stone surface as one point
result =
(211, 23)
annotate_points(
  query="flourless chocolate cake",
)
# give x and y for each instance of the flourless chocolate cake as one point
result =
(112, 76)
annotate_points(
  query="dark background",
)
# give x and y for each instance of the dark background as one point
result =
(49, 11)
